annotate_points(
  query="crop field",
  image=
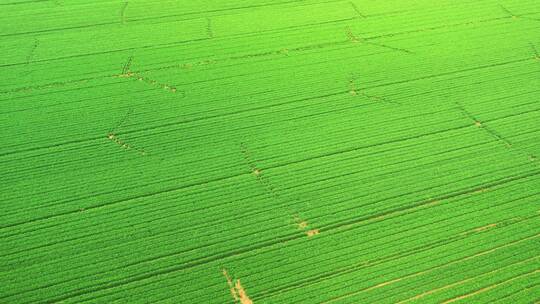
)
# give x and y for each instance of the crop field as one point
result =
(269, 151)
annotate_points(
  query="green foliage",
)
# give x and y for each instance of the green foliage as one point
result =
(306, 151)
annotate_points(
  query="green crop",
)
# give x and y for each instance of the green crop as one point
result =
(295, 151)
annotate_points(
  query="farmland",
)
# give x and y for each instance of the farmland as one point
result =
(294, 151)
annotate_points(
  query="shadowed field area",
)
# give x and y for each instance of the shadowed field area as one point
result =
(294, 151)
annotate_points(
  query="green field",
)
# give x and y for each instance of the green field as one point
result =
(259, 151)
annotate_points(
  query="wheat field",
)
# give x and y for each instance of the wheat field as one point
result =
(258, 151)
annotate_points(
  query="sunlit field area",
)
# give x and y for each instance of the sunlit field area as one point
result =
(269, 151)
